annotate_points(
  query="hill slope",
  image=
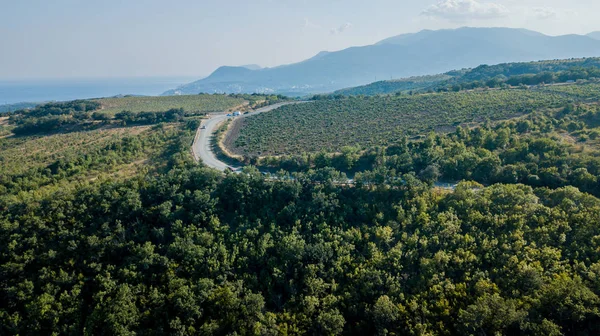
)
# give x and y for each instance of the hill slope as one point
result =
(424, 53)
(578, 68)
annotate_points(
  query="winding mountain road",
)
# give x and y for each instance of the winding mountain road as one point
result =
(202, 147)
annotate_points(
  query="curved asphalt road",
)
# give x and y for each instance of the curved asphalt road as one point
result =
(202, 145)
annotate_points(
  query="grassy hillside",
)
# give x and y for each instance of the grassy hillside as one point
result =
(191, 103)
(330, 125)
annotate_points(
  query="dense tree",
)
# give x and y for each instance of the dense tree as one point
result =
(190, 251)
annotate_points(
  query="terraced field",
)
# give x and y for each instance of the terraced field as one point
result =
(329, 125)
(190, 103)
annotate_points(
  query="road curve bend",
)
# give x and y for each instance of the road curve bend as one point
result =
(202, 149)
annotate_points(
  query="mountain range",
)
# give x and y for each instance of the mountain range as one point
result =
(427, 52)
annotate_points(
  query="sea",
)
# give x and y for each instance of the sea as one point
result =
(33, 91)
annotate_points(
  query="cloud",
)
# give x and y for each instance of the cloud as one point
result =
(341, 29)
(309, 24)
(544, 13)
(549, 13)
(461, 10)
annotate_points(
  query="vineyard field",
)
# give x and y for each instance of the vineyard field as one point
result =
(191, 103)
(329, 125)
(577, 91)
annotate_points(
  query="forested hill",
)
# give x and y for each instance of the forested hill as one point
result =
(399, 85)
(193, 252)
(528, 73)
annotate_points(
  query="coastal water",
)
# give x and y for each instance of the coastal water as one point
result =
(17, 91)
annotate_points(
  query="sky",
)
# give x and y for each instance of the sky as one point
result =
(41, 39)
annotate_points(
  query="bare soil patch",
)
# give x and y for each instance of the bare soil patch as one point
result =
(231, 135)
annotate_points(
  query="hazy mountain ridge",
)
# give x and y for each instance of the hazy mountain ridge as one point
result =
(594, 35)
(425, 53)
(252, 66)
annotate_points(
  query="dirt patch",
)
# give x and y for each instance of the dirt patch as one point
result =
(241, 107)
(125, 170)
(224, 140)
(568, 138)
(136, 130)
(231, 135)
(3, 121)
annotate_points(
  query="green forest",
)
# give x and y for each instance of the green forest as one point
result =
(193, 252)
(487, 76)
(336, 226)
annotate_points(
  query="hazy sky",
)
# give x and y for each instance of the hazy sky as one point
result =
(123, 38)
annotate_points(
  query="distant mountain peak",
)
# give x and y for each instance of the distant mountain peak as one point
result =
(226, 69)
(251, 66)
(319, 55)
(427, 52)
(427, 33)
